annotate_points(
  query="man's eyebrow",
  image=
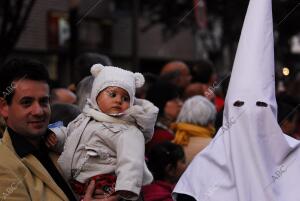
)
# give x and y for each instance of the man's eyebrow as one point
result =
(30, 98)
(26, 98)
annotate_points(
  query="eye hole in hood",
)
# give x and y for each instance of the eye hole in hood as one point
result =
(238, 103)
(261, 104)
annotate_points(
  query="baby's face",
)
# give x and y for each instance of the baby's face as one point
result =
(113, 100)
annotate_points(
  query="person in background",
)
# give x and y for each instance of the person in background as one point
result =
(82, 78)
(287, 117)
(83, 91)
(205, 74)
(62, 95)
(166, 97)
(194, 89)
(291, 99)
(63, 112)
(83, 64)
(150, 79)
(195, 125)
(177, 73)
(166, 161)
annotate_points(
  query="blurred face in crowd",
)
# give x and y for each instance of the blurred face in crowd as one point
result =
(29, 112)
(194, 89)
(113, 100)
(172, 108)
(180, 168)
(174, 173)
(62, 95)
(289, 126)
(185, 77)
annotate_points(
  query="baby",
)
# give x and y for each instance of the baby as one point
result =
(106, 142)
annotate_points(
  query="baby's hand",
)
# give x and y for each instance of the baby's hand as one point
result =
(51, 140)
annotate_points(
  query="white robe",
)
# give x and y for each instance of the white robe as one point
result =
(245, 166)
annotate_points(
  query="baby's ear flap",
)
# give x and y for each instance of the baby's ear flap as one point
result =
(139, 80)
(96, 68)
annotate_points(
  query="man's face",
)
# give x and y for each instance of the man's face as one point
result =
(29, 112)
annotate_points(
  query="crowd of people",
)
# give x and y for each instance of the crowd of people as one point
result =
(113, 134)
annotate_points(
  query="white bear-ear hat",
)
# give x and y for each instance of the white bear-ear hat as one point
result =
(107, 76)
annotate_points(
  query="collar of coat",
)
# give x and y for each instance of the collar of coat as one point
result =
(22, 146)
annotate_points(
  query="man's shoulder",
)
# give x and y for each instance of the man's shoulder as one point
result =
(8, 161)
(9, 158)
(4, 150)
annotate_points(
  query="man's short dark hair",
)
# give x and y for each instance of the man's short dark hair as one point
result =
(19, 68)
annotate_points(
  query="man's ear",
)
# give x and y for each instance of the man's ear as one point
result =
(3, 108)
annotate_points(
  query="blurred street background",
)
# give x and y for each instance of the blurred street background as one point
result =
(140, 35)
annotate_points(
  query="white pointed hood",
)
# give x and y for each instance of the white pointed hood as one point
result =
(252, 76)
(250, 158)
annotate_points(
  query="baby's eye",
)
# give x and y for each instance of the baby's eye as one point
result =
(111, 94)
(125, 98)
